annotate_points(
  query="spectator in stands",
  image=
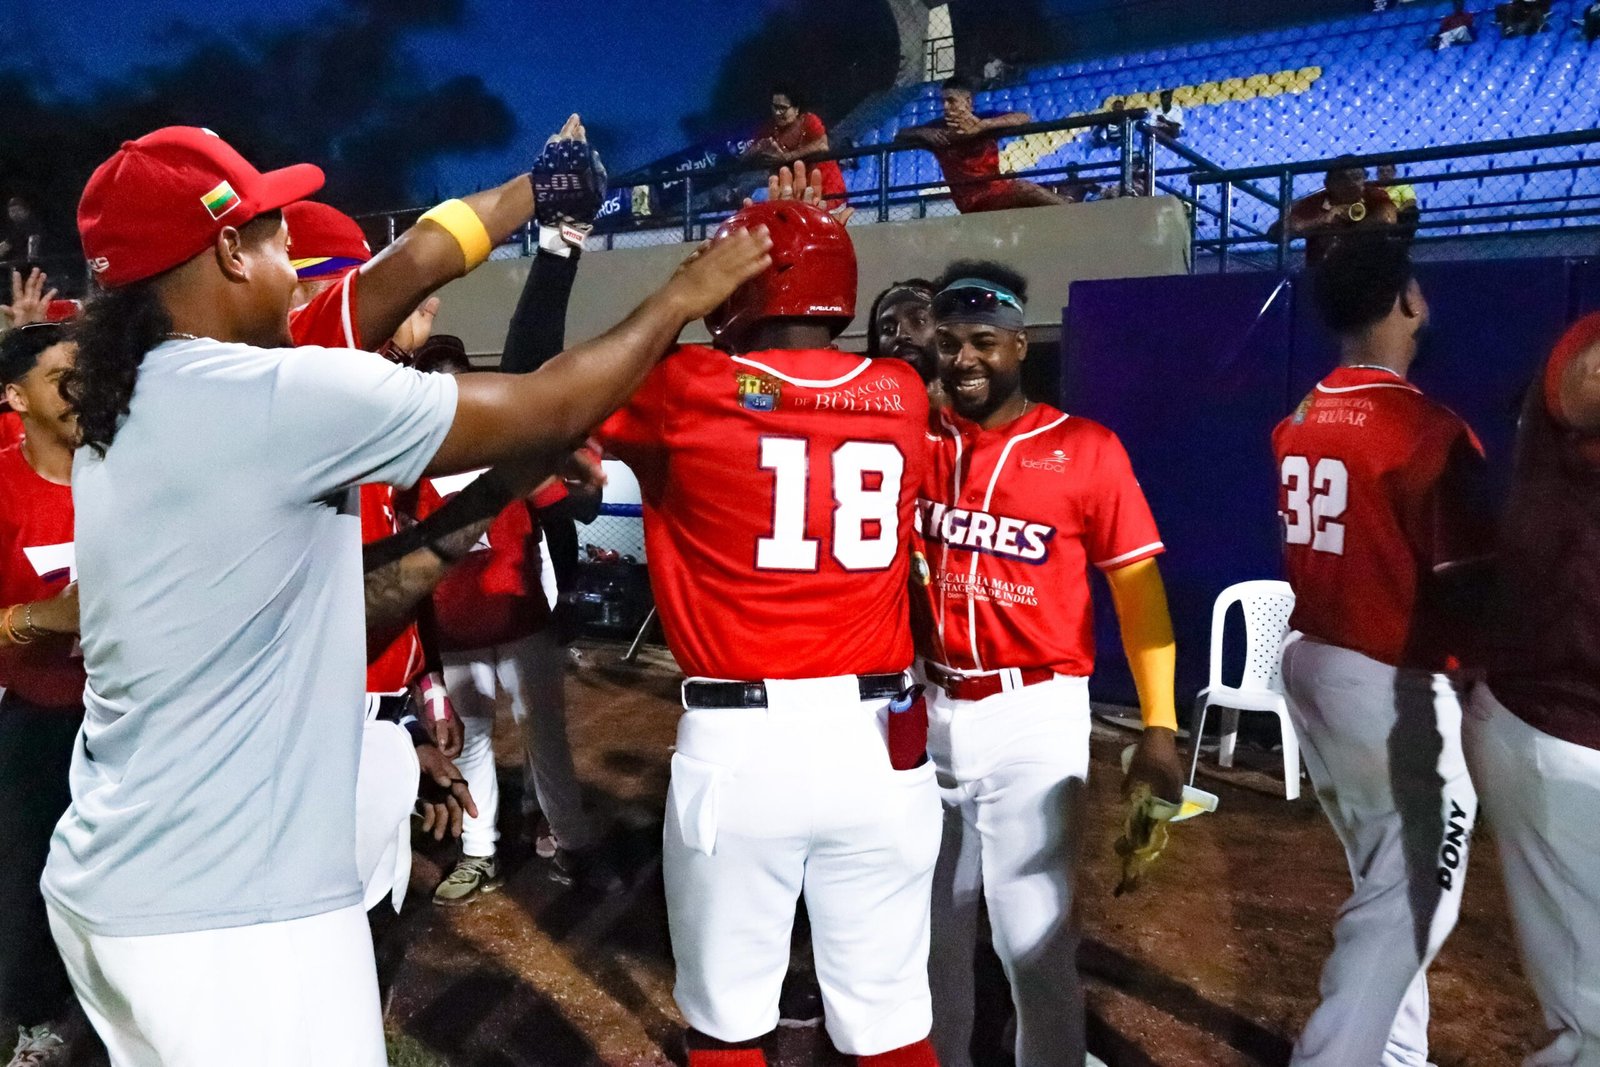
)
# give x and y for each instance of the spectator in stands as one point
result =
(793, 133)
(1346, 202)
(1590, 22)
(1168, 116)
(1106, 136)
(22, 237)
(967, 146)
(1408, 209)
(1522, 18)
(1455, 28)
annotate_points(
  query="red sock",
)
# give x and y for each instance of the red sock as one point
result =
(726, 1057)
(919, 1054)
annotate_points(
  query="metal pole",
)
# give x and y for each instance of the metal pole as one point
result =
(529, 242)
(1225, 224)
(391, 231)
(688, 208)
(1125, 144)
(1285, 202)
(883, 185)
(1194, 228)
(1148, 170)
(638, 639)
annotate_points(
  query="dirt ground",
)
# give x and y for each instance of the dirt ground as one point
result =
(1213, 962)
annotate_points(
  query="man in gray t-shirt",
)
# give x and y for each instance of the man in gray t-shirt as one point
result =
(202, 886)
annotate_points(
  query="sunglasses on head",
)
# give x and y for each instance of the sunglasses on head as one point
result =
(971, 299)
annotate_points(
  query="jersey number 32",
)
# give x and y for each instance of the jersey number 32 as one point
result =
(866, 478)
(1314, 501)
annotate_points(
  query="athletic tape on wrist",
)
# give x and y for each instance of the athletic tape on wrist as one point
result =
(462, 223)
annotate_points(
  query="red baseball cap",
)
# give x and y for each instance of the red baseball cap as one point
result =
(323, 241)
(161, 201)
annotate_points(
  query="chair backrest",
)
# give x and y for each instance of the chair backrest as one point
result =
(1267, 606)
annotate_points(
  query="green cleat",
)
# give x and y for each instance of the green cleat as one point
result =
(472, 876)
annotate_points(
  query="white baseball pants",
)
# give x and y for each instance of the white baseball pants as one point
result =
(1542, 797)
(386, 794)
(1012, 769)
(799, 797)
(1383, 746)
(281, 994)
(530, 674)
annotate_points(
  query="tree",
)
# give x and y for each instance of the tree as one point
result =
(835, 52)
(341, 91)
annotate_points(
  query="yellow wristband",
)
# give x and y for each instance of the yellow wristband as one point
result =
(462, 223)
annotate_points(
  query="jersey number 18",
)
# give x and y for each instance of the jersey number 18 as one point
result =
(866, 521)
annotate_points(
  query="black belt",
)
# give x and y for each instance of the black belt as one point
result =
(754, 694)
(394, 707)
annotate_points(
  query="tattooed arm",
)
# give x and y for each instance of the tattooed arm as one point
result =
(396, 588)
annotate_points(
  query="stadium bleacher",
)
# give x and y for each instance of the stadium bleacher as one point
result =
(1361, 84)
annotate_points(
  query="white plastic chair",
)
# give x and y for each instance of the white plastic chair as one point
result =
(1267, 607)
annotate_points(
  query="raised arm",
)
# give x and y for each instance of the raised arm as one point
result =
(540, 417)
(428, 255)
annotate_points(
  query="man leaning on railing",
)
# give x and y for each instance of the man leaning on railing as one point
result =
(1346, 202)
(967, 146)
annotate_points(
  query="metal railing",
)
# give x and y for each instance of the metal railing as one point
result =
(685, 205)
(1252, 205)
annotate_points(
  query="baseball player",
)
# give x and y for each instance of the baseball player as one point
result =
(1020, 500)
(900, 325)
(1533, 731)
(778, 477)
(202, 887)
(40, 674)
(1384, 527)
(494, 620)
(495, 615)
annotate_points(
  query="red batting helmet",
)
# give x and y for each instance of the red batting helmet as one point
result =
(813, 272)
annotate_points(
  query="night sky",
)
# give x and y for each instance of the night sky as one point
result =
(637, 66)
(634, 66)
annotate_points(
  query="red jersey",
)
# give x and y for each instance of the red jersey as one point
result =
(1379, 489)
(965, 163)
(1012, 519)
(36, 563)
(1545, 657)
(778, 491)
(1310, 209)
(329, 320)
(10, 427)
(802, 132)
(494, 596)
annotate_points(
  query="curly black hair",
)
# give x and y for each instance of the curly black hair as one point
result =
(118, 327)
(20, 349)
(985, 270)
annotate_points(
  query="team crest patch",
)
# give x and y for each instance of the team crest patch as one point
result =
(757, 392)
(220, 200)
(921, 573)
(1301, 411)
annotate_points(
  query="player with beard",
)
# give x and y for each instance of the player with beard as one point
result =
(900, 326)
(1020, 500)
